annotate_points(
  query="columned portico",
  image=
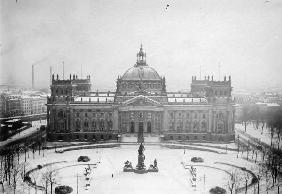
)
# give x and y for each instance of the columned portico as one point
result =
(149, 120)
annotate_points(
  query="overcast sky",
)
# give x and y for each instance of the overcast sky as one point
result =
(244, 37)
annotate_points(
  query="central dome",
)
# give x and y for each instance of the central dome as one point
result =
(141, 71)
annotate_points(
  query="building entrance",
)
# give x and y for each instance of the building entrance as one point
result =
(132, 127)
(149, 128)
(140, 132)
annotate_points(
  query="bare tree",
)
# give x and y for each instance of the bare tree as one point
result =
(16, 175)
(2, 172)
(267, 177)
(247, 177)
(50, 177)
(260, 171)
(245, 116)
(34, 176)
(22, 182)
(233, 182)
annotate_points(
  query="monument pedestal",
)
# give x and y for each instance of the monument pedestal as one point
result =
(140, 167)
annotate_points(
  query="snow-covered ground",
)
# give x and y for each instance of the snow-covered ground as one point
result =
(263, 136)
(171, 178)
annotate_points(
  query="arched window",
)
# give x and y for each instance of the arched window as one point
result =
(221, 116)
(94, 124)
(60, 114)
(179, 125)
(220, 127)
(195, 125)
(204, 126)
(110, 125)
(77, 125)
(86, 124)
(187, 125)
(171, 125)
(102, 124)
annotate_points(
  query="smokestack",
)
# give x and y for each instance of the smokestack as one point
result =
(50, 75)
(32, 84)
(63, 70)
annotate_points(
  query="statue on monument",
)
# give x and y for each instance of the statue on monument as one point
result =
(155, 163)
(141, 149)
(140, 167)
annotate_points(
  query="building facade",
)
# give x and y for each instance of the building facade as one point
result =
(141, 105)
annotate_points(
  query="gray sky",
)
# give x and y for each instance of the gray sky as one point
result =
(244, 36)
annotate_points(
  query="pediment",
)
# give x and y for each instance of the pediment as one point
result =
(141, 101)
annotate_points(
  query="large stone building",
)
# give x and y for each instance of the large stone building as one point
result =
(141, 105)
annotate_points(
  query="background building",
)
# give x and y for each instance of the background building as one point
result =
(140, 105)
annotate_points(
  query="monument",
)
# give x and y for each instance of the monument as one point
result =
(140, 167)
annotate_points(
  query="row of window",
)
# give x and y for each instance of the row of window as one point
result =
(87, 114)
(221, 93)
(61, 91)
(90, 137)
(187, 115)
(137, 85)
(188, 125)
(195, 115)
(94, 124)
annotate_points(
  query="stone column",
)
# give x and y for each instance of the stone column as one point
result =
(145, 126)
(136, 126)
(213, 121)
(67, 121)
(228, 121)
(165, 121)
(210, 121)
(174, 120)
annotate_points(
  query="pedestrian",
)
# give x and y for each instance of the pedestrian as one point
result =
(112, 175)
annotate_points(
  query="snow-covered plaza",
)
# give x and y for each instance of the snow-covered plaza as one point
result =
(107, 174)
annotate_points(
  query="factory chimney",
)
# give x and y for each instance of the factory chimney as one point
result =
(50, 75)
(32, 84)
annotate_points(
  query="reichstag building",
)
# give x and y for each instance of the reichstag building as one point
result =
(140, 106)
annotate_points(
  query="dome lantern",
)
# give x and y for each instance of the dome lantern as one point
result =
(141, 57)
(141, 70)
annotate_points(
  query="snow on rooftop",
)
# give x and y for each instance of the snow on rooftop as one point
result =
(100, 99)
(187, 100)
(177, 95)
(102, 94)
(12, 120)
